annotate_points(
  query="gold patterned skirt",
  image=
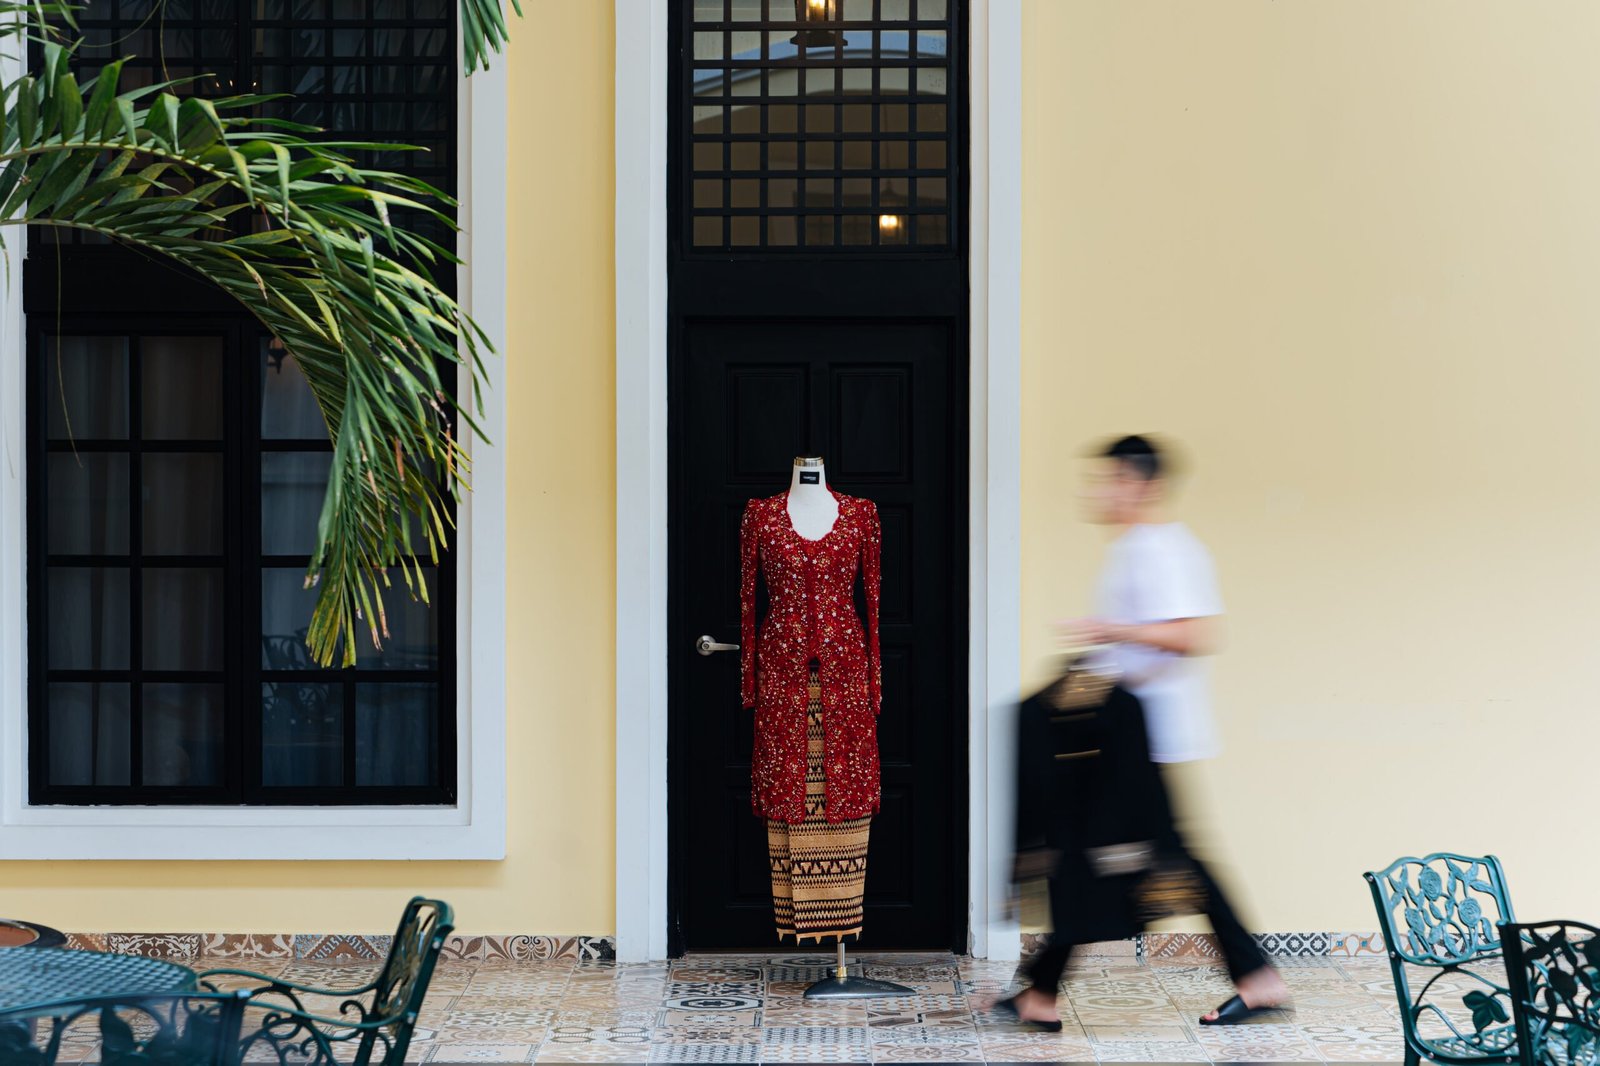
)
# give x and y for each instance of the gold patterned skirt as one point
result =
(819, 869)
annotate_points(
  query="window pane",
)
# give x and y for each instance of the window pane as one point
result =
(413, 641)
(286, 606)
(302, 734)
(289, 410)
(88, 504)
(86, 388)
(181, 388)
(183, 504)
(88, 612)
(183, 618)
(396, 734)
(292, 487)
(89, 733)
(182, 735)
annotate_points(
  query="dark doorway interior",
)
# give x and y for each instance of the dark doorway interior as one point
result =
(817, 305)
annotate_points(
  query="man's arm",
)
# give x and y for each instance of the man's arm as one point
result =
(1183, 636)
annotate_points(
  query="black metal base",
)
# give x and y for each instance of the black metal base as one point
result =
(850, 987)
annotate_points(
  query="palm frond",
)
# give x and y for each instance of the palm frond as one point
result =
(347, 292)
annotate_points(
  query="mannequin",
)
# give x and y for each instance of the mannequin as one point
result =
(813, 508)
(814, 771)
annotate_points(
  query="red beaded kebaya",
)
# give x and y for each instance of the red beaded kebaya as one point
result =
(811, 617)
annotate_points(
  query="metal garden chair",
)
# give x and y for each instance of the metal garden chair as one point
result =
(1553, 969)
(368, 1025)
(149, 1029)
(1439, 915)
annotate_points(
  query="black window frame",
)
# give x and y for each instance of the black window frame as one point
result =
(77, 289)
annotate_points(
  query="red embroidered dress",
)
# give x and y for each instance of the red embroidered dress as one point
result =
(811, 616)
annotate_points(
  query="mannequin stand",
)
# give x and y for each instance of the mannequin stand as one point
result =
(842, 986)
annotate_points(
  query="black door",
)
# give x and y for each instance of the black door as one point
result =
(817, 306)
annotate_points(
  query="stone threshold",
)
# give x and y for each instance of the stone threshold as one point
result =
(533, 948)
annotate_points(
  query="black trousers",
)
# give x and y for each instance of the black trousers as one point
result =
(1239, 949)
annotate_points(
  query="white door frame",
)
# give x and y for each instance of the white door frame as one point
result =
(994, 663)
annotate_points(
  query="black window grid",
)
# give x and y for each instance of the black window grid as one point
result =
(878, 174)
(241, 674)
(400, 87)
(363, 70)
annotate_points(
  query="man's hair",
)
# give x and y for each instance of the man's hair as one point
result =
(1139, 455)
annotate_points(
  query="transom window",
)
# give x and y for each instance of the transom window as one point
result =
(177, 464)
(819, 124)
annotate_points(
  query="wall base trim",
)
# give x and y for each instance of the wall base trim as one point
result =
(341, 947)
(1203, 946)
(352, 947)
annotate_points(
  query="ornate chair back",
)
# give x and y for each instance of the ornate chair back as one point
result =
(1439, 915)
(1553, 970)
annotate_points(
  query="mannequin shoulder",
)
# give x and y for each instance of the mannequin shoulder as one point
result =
(761, 508)
(857, 505)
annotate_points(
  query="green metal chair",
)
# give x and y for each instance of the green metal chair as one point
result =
(1439, 916)
(373, 1023)
(153, 1029)
(1553, 969)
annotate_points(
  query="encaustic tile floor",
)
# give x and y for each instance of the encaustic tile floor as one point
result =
(751, 1008)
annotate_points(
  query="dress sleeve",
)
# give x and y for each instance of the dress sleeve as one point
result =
(872, 574)
(749, 550)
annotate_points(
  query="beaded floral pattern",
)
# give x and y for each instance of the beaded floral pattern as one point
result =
(811, 616)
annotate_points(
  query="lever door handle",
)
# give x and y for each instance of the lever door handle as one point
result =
(707, 646)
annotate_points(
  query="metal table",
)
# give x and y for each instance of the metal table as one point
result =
(34, 979)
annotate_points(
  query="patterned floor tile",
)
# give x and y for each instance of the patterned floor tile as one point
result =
(1256, 1043)
(482, 1053)
(705, 1053)
(706, 1034)
(924, 1034)
(1150, 1052)
(1133, 1034)
(671, 1018)
(549, 1052)
(634, 1036)
(1364, 1043)
(814, 1014)
(1038, 1049)
(968, 1052)
(749, 1008)
(816, 1053)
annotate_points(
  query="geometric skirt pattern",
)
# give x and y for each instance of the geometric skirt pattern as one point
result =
(819, 868)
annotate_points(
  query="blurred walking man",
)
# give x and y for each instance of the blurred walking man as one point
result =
(1158, 606)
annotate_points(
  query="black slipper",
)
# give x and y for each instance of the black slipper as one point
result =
(1009, 1006)
(1234, 1012)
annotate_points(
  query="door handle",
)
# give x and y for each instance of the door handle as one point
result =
(707, 646)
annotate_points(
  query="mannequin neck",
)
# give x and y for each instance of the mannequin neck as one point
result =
(812, 508)
(808, 486)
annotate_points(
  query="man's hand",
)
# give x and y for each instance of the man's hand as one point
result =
(1084, 632)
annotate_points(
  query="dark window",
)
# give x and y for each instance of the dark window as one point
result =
(818, 124)
(177, 463)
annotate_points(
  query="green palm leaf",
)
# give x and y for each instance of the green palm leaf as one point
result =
(324, 270)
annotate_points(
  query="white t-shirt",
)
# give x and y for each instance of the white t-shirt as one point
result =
(1161, 573)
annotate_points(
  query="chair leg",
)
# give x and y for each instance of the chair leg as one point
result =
(1412, 1058)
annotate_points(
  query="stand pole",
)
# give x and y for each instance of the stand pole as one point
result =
(842, 986)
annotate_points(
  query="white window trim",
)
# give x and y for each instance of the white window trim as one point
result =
(995, 449)
(475, 827)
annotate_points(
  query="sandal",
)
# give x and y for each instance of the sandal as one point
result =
(1009, 1006)
(1234, 1012)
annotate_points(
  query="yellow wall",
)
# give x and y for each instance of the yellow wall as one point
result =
(1343, 251)
(1346, 253)
(557, 877)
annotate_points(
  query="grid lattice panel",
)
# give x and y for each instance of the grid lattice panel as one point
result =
(364, 70)
(836, 135)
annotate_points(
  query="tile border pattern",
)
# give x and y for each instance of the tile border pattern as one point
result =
(1313, 945)
(346, 947)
